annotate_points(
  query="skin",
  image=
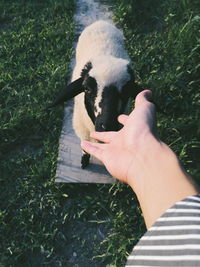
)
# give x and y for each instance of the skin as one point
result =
(135, 155)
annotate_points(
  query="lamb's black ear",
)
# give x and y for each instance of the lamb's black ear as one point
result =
(132, 89)
(135, 90)
(69, 92)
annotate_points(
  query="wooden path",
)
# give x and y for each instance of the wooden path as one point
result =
(69, 155)
(69, 158)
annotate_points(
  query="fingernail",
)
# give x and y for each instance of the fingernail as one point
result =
(148, 95)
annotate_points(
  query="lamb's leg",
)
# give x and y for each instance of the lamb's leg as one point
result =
(82, 126)
(85, 159)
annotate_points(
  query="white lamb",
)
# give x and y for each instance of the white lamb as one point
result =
(102, 81)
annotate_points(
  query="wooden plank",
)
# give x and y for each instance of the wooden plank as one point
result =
(69, 157)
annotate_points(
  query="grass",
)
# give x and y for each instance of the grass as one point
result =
(42, 223)
(162, 39)
(48, 224)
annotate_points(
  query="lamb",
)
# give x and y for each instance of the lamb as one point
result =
(102, 81)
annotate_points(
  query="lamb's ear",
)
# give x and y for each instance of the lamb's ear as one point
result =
(69, 92)
(134, 89)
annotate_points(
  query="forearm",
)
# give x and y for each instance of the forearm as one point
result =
(158, 180)
(134, 155)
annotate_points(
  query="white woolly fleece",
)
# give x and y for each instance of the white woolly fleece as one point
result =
(108, 70)
(97, 40)
(102, 44)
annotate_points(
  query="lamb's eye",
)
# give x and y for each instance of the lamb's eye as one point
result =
(89, 83)
(87, 90)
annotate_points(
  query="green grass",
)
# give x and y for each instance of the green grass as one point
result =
(48, 224)
(41, 223)
(162, 40)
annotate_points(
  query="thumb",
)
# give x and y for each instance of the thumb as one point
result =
(143, 97)
(145, 109)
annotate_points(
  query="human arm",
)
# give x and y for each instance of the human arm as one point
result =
(135, 155)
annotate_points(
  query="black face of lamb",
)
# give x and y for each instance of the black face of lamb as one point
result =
(111, 105)
(90, 86)
(112, 102)
(90, 89)
(106, 120)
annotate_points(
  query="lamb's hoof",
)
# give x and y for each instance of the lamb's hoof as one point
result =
(85, 160)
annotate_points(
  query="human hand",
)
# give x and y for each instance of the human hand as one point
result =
(120, 149)
(136, 156)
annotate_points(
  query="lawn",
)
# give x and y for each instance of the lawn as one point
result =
(48, 224)
(164, 45)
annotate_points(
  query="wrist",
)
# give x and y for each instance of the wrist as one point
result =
(146, 155)
(158, 179)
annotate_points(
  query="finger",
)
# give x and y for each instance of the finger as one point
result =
(144, 97)
(105, 137)
(144, 104)
(122, 119)
(144, 112)
(94, 149)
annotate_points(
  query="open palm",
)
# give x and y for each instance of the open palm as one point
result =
(120, 149)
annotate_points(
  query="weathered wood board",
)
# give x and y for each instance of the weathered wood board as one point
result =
(69, 157)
